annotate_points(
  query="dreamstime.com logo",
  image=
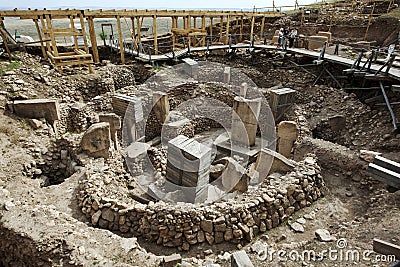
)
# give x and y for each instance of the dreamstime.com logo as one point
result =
(181, 102)
(338, 254)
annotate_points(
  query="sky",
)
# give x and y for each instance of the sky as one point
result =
(135, 4)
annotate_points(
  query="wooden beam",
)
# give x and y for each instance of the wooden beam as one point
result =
(195, 22)
(93, 40)
(155, 35)
(53, 40)
(32, 14)
(221, 26)
(139, 29)
(252, 27)
(203, 28)
(46, 35)
(51, 33)
(71, 19)
(133, 33)
(40, 38)
(262, 28)
(227, 30)
(121, 40)
(386, 248)
(241, 29)
(211, 27)
(84, 39)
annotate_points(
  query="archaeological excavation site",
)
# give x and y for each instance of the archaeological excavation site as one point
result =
(219, 138)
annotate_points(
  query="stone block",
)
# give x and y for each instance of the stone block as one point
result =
(326, 34)
(280, 101)
(316, 42)
(287, 133)
(244, 120)
(243, 90)
(115, 124)
(191, 67)
(96, 141)
(233, 176)
(227, 75)
(37, 109)
(269, 161)
(171, 260)
(188, 163)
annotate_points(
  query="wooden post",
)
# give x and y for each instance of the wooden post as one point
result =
(241, 28)
(262, 27)
(227, 30)
(133, 33)
(40, 38)
(84, 39)
(221, 26)
(189, 22)
(203, 28)
(194, 22)
(93, 39)
(139, 27)
(174, 25)
(71, 19)
(155, 34)
(211, 26)
(252, 27)
(121, 44)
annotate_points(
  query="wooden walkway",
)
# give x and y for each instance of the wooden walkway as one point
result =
(393, 72)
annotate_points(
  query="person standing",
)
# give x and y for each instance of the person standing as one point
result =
(280, 37)
(292, 37)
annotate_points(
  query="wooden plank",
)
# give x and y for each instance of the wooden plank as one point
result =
(121, 45)
(386, 248)
(40, 38)
(387, 163)
(384, 175)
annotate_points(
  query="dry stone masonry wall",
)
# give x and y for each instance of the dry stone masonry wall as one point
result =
(235, 221)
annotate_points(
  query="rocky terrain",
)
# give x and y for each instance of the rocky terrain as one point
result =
(60, 205)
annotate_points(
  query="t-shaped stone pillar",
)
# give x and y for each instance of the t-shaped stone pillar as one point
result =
(191, 67)
(227, 75)
(188, 164)
(115, 124)
(161, 105)
(244, 121)
(243, 90)
(287, 133)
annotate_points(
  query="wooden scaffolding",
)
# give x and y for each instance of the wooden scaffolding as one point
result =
(80, 55)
